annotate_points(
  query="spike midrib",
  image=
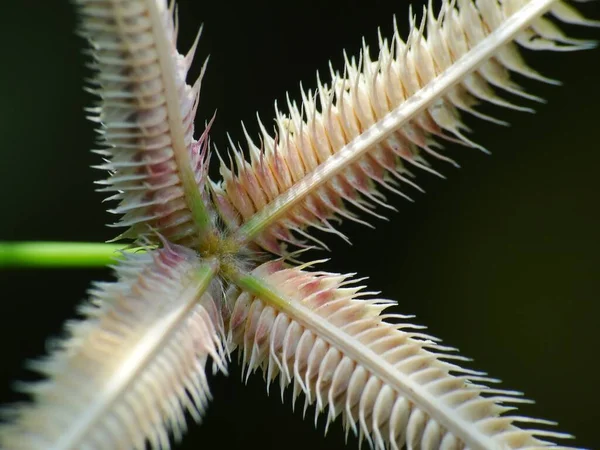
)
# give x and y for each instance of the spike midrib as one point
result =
(192, 195)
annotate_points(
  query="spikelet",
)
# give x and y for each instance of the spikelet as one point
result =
(425, 402)
(146, 115)
(332, 116)
(127, 374)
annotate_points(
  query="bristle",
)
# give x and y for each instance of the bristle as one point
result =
(309, 135)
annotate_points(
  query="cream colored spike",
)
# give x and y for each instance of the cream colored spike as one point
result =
(311, 135)
(126, 375)
(392, 384)
(146, 118)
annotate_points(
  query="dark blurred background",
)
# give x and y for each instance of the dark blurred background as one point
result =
(500, 260)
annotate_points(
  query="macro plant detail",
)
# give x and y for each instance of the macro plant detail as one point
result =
(136, 364)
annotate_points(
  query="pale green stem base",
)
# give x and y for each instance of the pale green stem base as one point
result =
(58, 254)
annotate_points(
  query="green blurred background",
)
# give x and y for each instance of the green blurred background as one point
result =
(500, 260)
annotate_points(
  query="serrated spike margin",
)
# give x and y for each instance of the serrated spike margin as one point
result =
(331, 117)
(128, 372)
(157, 169)
(385, 414)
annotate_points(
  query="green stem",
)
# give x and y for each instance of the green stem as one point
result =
(57, 254)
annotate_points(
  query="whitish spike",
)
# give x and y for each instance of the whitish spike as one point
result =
(389, 387)
(130, 370)
(147, 115)
(370, 89)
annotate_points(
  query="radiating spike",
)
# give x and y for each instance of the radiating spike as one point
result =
(127, 372)
(130, 58)
(368, 89)
(374, 407)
